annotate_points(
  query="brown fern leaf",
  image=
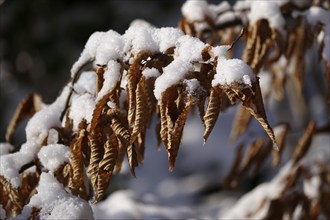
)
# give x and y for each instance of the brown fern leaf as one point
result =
(163, 119)
(119, 126)
(231, 178)
(97, 150)
(141, 146)
(240, 123)
(132, 158)
(175, 136)
(187, 27)
(29, 183)
(151, 100)
(106, 166)
(304, 142)
(280, 133)
(14, 204)
(259, 41)
(141, 110)
(99, 78)
(254, 104)
(132, 79)
(77, 161)
(120, 158)
(27, 107)
(250, 157)
(212, 111)
(98, 111)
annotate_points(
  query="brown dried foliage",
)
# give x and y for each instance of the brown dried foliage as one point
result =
(98, 148)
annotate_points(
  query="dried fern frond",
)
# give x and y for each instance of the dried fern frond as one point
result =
(132, 156)
(280, 140)
(231, 178)
(14, 205)
(304, 142)
(260, 39)
(96, 143)
(212, 111)
(132, 78)
(141, 110)
(175, 136)
(255, 106)
(27, 108)
(77, 162)
(106, 166)
(240, 123)
(99, 78)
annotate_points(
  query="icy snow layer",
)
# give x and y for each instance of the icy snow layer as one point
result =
(36, 131)
(150, 73)
(55, 202)
(267, 10)
(54, 155)
(111, 77)
(197, 10)
(109, 47)
(231, 71)
(5, 148)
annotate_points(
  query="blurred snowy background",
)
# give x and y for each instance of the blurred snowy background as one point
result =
(39, 42)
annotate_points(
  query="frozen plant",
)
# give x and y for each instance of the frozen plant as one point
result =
(120, 82)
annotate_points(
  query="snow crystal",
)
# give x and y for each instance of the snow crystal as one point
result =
(5, 148)
(192, 86)
(311, 187)
(111, 77)
(82, 107)
(220, 8)
(141, 23)
(233, 71)
(8, 169)
(52, 136)
(46, 118)
(166, 37)
(11, 163)
(86, 83)
(172, 74)
(88, 53)
(220, 51)
(267, 10)
(56, 203)
(150, 73)
(54, 155)
(242, 5)
(196, 10)
(189, 48)
(139, 38)
(110, 48)
(225, 17)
